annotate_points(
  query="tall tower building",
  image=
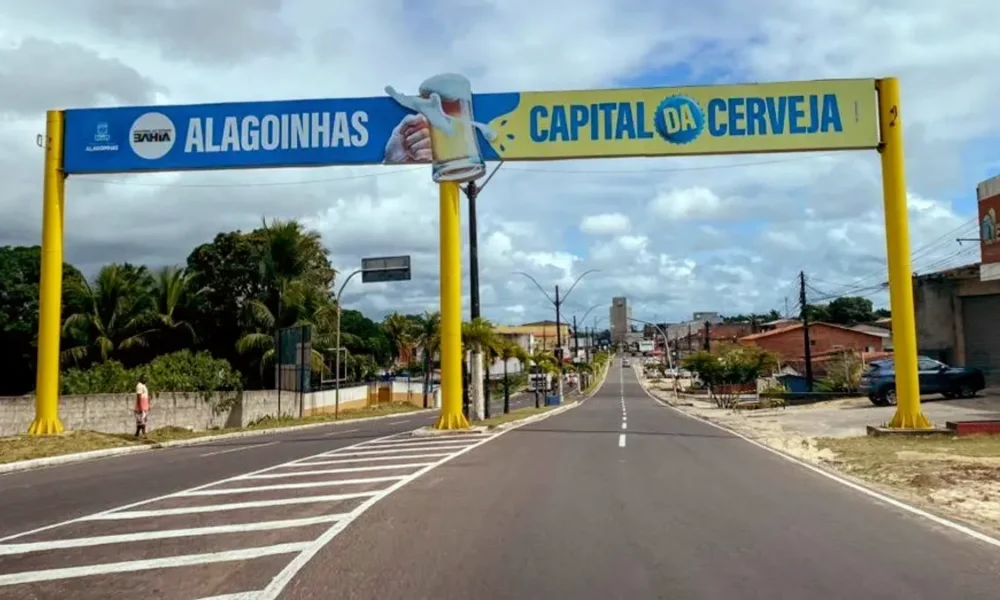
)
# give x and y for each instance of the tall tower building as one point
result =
(620, 320)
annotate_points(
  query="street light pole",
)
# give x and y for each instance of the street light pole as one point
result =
(558, 302)
(666, 348)
(336, 375)
(471, 191)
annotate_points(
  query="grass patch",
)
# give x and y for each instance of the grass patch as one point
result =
(514, 415)
(13, 449)
(923, 463)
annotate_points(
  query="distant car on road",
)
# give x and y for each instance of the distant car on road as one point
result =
(626, 363)
(879, 380)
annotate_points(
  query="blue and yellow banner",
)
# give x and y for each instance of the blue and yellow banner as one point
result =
(813, 115)
(445, 125)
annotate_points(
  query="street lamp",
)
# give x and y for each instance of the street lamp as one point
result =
(558, 302)
(373, 270)
(666, 347)
(471, 191)
(576, 333)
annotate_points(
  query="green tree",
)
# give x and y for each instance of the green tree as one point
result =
(110, 315)
(428, 337)
(401, 332)
(166, 325)
(728, 367)
(227, 273)
(850, 310)
(20, 271)
(818, 313)
(509, 350)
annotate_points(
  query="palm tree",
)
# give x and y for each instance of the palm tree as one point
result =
(544, 361)
(400, 330)
(171, 295)
(509, 350)
(300, 307)
(428, 336)
(478, 335)
(113, 309)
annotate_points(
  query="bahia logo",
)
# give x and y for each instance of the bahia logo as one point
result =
(679, 119)
(152, 136)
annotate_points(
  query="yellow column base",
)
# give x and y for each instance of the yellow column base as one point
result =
(909, 420)
(46, 426)
(451, 421)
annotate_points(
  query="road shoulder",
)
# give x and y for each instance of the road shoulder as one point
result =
(947, 480)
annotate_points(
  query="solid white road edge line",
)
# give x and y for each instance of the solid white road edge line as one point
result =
(241, 448)
(147, 564)
(982, 537)
(236, 596)
(146, 536)
(163, 497)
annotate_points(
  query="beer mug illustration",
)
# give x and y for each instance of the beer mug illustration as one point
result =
(445, 101)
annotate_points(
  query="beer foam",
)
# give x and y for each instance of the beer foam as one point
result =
(450, 86)
(447, 85)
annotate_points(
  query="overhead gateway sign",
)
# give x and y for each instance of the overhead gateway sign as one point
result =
(385, 268)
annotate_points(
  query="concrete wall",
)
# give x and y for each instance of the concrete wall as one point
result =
(112, 413)
(361, 396)
(934, 302)
(938, 305)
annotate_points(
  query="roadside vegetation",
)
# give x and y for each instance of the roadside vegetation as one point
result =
(18, 448)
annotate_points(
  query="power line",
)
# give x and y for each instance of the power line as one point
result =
(387, 173)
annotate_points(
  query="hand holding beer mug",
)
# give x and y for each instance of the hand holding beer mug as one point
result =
(445, 103)
(410, 142)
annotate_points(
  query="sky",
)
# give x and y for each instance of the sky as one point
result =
(673, 235)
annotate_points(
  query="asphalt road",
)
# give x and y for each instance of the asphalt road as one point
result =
(561, 509)
(618, 498)
(32, 499)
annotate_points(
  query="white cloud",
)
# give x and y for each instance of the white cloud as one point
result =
(605, 224)
(688, 204)
(675, 236)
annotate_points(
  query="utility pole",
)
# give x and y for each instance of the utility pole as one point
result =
(804, 315)
(557, 302)
(689, 337)
(559, 357)
(472, 192)
(708, 337)
(576, 340)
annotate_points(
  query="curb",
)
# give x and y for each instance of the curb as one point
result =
(52, 461)
(535, 418)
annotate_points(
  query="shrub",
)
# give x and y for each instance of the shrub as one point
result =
(728, 369)
(182, 371)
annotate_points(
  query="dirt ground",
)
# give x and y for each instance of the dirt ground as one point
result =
(956, 477)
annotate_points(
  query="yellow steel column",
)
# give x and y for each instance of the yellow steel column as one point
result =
(897, 235)
(50, 289)
(451, 416)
